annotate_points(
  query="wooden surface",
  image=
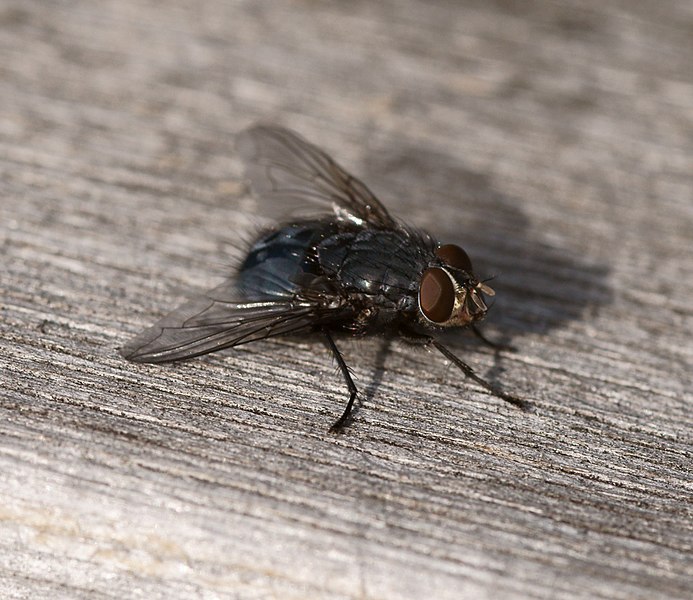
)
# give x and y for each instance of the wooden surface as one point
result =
(555, 143)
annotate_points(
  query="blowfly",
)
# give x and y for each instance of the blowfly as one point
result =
(352, 268)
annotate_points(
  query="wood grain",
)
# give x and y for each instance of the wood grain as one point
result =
(554, 142)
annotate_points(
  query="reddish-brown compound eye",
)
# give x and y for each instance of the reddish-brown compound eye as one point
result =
(436, 295)
(454, 256)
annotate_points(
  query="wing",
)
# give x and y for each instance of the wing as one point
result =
(212, 322)
(285, 167)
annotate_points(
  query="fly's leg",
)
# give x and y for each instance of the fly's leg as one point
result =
(339, 423)
(490, 343)
(469, 372)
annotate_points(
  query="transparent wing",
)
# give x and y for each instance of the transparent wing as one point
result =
(284, 167)
(214, 322)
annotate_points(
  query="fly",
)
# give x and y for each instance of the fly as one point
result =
(352, 269)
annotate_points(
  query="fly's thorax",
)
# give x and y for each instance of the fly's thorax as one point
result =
(381, 265)
(450, 295)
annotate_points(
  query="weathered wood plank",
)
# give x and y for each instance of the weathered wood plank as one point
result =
(555, 143)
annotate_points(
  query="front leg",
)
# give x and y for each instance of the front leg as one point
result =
(427, 340)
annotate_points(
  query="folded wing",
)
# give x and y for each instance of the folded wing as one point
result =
(213, 322)
(284, 167)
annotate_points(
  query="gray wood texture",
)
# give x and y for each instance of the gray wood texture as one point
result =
(553, 140)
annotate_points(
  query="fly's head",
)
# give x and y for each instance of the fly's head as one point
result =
(449, 293)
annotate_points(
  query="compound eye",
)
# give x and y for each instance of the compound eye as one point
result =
(454, 256)
(436, 295)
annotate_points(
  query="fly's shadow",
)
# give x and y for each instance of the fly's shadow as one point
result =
(540, 287)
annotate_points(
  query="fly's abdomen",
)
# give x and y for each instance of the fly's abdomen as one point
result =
(283, 262)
